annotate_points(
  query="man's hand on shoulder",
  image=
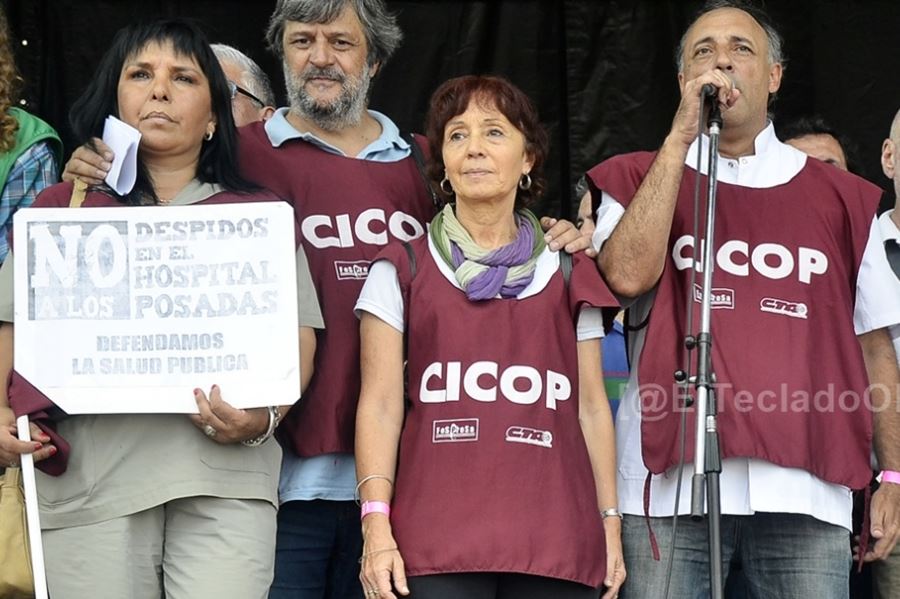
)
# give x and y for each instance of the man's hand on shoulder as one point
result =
(562, 234)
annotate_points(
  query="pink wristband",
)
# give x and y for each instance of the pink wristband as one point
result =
(377, 507)
(890, 476)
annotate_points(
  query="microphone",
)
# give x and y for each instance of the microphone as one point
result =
(711, 92)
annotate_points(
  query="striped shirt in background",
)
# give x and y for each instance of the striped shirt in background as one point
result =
(34, 170)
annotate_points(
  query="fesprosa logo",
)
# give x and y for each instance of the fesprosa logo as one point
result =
(353, 269)
(454, 430)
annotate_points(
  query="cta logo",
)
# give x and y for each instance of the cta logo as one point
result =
(358, 270)
(784, 307)
(722, 297)
(459, 430)
(531, 436)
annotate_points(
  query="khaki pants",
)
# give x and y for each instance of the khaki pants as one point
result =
(191, 548)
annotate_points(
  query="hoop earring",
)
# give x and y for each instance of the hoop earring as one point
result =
(209, 135)
(448, 189)
(525, 182)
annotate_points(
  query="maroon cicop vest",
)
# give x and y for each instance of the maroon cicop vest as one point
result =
(784, 347)
(493, 474)
(347, 210)
(24, 398)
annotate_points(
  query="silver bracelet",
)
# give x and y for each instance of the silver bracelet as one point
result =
(611, 512)
(366, 479)
(274, 419)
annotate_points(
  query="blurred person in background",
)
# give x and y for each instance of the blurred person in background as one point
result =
(30, 150)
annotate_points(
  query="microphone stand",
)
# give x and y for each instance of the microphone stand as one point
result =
(707, 456)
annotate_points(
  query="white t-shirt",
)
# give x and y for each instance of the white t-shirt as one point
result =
(748, 485)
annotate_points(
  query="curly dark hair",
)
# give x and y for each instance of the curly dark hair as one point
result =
(10, 83)
(453, 97)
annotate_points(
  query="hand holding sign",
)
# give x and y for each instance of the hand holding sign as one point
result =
(224, 424)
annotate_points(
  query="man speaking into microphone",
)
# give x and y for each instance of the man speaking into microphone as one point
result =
(802, 297)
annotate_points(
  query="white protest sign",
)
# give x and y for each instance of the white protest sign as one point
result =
(129, 309)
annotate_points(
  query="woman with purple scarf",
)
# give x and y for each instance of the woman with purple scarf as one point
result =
(494, 474)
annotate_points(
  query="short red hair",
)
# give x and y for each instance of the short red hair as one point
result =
(453, 98)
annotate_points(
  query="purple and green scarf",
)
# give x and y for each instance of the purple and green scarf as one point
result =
(483, 274)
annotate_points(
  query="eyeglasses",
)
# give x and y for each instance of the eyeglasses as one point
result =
(236, 89)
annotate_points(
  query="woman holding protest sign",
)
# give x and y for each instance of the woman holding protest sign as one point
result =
(158, 504)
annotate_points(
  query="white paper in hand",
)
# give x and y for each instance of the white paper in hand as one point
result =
(123, 140)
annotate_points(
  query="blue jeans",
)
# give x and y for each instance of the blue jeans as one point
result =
(788, 556)
(317, 551)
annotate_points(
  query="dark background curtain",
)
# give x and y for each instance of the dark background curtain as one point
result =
(601, 72)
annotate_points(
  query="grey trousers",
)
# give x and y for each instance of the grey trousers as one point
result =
(886, 576)
(191, 548)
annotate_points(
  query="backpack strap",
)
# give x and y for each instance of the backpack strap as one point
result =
(892, 249)
(406, 279)
(78, 192)
(405, 284)
(565, 265)
(412, 260)
(419, 158)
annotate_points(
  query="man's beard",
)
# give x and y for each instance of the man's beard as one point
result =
(344, 111)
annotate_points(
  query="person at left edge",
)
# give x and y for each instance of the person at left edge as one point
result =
(158, 505)
(30, 150)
